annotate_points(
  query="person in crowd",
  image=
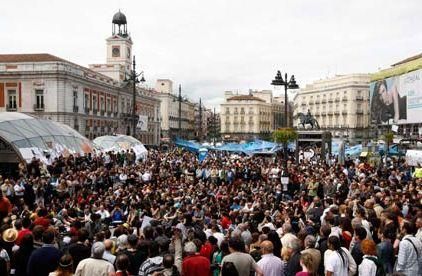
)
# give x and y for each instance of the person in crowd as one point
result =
(122, 265)
(410, 251)
(243, 262)
(194, 263)
(310, 242)
(21, 256)
(270, 264)
(225, 211)
(65, 267)
(370, 262)
(95, 265)
(307, 264)
(338, 262)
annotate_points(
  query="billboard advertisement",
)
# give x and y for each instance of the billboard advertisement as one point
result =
(397, 99)
(142, 123)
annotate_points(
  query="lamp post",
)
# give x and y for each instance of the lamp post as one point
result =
(133, 77)
(200, 120)
(179, 98)
(279, 81)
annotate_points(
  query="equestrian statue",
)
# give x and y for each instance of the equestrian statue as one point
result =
(307, 119)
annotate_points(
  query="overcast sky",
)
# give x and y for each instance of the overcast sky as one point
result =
(210, 46)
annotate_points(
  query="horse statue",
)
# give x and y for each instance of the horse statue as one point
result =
(307, 119)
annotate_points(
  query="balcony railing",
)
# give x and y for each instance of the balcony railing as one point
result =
(359, 112)
(317, 101)
(337, 99)
(102, 112)
(337, 112)
(323, 101)
(344, 112)
(75, 108)
(330, 100)
(38, 107)
(359, 98)
(311, 102)
(330, 112)
(344, 99)
(94, 111)
(109, 113)
(11, 107)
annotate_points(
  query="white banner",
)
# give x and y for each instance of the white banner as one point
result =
(142, 123)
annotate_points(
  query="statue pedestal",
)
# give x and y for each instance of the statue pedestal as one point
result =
(315, 138)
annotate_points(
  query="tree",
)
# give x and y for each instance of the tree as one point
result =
(284, 136)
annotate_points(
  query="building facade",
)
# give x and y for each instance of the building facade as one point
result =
(177, 114)
(340, 105)
(247, 116)
(91, 101)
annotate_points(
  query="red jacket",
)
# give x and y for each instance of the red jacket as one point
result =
(196, 265)
(43, 221)
(206, 250)
(225, 222)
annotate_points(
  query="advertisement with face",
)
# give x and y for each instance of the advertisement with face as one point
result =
(397, 99)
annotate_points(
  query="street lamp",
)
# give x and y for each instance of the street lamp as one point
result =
(133, 77)
(279, 81)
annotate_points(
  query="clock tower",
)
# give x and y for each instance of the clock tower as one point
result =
(119, 50)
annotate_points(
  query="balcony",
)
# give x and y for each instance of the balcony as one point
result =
(337, 112)
(359, 98)
(323, 101)
(311, 102)
(317, 101)
(330, 100)
(303, 104)
(344, 99)
(359, 112)
(94, 111)
(344, 112)
(337, 99)
(323, 113)
(38, 107)
(11, 107)
(86, 110)
(109, 113)
(102, 112)
(330, 112)
(75, 109)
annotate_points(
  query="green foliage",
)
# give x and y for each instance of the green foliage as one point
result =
(284, 135)
(388, 137)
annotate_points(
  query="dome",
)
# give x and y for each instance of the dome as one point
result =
(119, 18)
(121, 143)
(32, 137)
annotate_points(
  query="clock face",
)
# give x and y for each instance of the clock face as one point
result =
(116, 52)
(128, 52)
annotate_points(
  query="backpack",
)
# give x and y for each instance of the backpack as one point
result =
(380, 267)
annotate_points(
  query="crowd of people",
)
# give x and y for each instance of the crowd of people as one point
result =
(228, 215)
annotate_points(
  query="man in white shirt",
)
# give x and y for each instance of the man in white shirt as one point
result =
(103, 213)
(95, 265)
(270, 264)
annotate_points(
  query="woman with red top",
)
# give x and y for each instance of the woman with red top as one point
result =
(306, 262)
(347, 230)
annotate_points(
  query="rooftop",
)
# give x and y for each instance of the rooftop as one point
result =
(30, 58)
(245, 98)
(408, 59)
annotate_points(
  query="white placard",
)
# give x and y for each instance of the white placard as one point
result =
(142, 123)
(414, 157)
